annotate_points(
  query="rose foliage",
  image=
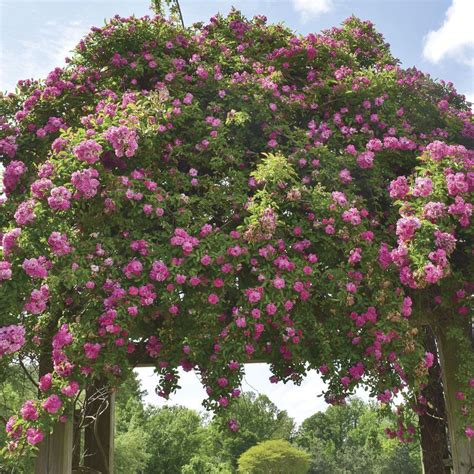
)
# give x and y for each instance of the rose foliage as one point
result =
(228, 193)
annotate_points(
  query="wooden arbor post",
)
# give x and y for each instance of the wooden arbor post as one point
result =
(55, 454)
(99, 430)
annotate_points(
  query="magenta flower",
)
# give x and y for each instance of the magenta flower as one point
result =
(52, 404)
(34, 436)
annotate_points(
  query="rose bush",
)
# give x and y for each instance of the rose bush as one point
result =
(233, 192)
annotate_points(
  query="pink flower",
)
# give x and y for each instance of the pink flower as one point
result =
(59, 244)
(28, 411)
(62, 338)
(88, 151)
(223, 402)
(85, 183)
(234, 425)
(45, 382)
(123, 140)
(213, 298)
(12, 338)
(254, 295)
(92, 350)
(399, 188)
(433, 273)
(407, 307)
(438, 150)
(25, 213)
(133, 269)
(153, 346)
(366, 159)
(279, 283)
(40, 188)
(159, 271)
(345, 176)
(429, 360)
(5, 270)
(70, 389)
(34, 436)
(457, 184)
(423, 187)
(12, 175)
(271, 309)
(52, 404)
(352, 215)
(9, 241)
(469, 431)
(374, 145)
(406, 227)
(59, 199)
(38, 299)
(37, 267)
(182, 239)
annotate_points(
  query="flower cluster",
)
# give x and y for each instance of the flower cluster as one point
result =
(12, 339)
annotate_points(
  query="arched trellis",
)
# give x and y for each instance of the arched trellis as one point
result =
(65, 430)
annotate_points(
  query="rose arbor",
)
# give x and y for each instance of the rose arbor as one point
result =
(226, 193)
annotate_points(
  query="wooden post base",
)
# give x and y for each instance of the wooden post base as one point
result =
(55, 451)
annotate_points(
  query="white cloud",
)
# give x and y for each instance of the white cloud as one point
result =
(313, 7)
(455, 37)
(470, 98)
(36, 57)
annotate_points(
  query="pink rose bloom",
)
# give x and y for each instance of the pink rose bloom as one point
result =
(52, 404)
(71, 389)
(213, 298)
(28, 411)
(34, 436)
(366, 160)
(59, 244)
(59, 199)
(92, 350)
(5, 270)
(423, 187)
(429, 360)
(279, 283)
(25, 213)
(88, 151)
(37, 267)
(45, 382)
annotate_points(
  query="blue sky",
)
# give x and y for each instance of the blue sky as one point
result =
(436, 36)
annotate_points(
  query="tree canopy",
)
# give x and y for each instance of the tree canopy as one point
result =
(232, 192)
(275, 456)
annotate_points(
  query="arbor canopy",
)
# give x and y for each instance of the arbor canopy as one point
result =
(231, 192)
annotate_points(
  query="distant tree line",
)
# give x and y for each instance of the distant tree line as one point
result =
(177, 440)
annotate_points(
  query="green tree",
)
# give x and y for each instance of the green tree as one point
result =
(175, 435)
(274, 457)
(259, 420)
(349, 439)
(131, 455)
(131, 438)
